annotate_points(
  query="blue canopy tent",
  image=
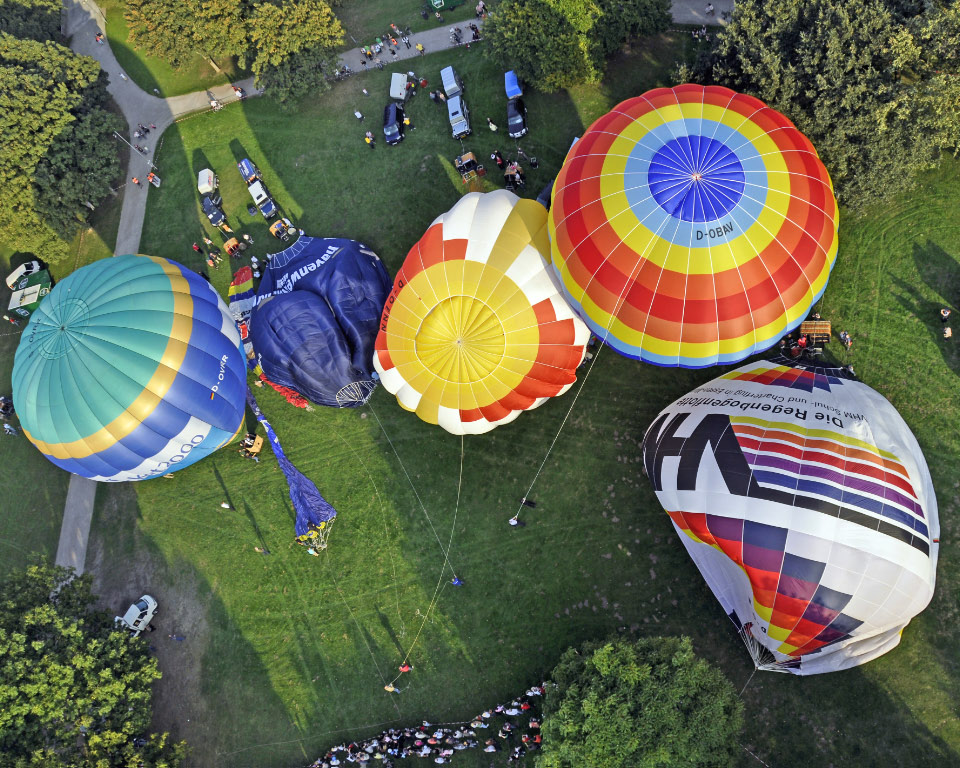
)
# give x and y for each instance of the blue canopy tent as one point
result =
(512, 85)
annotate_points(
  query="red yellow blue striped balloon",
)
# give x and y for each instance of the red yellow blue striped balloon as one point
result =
(693, 226)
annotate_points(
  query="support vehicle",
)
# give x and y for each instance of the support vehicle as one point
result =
(138, 615)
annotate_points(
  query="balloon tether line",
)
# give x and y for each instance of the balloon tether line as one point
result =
(445, 550)
(546, 456)
(440, 581)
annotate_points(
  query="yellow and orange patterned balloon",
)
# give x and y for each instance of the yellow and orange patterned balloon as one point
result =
(475, 330)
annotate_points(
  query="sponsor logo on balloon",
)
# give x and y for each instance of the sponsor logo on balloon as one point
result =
(286, 281)
(164, 466)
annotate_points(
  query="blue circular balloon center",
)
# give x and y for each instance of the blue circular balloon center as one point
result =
(696, 178)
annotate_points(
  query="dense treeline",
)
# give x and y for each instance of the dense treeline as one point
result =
(290, 47)
(74, 690)
(57, 152)
(553, 44)
(872, 83)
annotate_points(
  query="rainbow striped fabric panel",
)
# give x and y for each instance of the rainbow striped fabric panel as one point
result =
(805, 501)
(693, 226)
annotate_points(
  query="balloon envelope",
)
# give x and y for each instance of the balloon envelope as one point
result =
(806, 503)
(693, 226)
(317, 313)
(130, 369)
(475, 330)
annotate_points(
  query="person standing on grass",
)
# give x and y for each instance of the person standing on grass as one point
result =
(516, 522)
(197, 248)
(491, 125)
(944, 315)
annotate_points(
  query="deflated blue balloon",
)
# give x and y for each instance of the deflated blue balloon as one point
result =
(316, 319)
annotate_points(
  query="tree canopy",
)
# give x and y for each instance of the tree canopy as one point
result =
(553, 44)
(872, 83)
(74, 690)
(58, 152)
(645, 704)
(289, 46)
(32, 19)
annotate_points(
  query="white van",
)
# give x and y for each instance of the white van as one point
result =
(398, 86)
(452, 84)
(262, 200)
(459, 117)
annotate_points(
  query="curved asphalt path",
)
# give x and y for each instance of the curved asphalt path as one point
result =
(82, 20)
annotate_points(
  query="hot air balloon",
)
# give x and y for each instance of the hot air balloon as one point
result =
(130, 369)
(316, 317)
(806, 503)
(693, 226)
(475, 331)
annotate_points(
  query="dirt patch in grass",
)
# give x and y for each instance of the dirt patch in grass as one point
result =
(119, 577)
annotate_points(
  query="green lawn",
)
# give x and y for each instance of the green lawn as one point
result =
(150, 72)
(286, 654)
(34, 489)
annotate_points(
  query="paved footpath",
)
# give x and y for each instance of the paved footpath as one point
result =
(82, 21)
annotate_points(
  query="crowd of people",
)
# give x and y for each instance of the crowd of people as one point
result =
(513, 727)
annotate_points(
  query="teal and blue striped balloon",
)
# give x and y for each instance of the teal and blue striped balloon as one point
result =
(131, 368)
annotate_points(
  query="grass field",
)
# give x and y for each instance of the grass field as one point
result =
(34, 489)
(286, 654)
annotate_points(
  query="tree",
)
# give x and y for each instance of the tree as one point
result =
(554, 44)
(171, 30)
(58, 152)
(74, 690)
(293, 44)
(33, 19)
(867, 81)
(289, 46)
(646, 703)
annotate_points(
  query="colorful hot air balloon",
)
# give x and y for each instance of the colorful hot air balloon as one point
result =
(316, 317)
(475, 331)
(693, 226)
(804, 500)
(130, 369)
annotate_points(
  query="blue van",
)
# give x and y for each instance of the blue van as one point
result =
(249, 171)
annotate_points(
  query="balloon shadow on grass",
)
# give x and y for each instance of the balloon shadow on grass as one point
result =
(941, 273)
(385, 622)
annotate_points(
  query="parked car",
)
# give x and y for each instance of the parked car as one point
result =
(262, 199)
(24, 270)
(393, 123)
(452, 84)
(516, 118)
(139, 615)
(249, 171)
(459, 117)
(212, 211)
